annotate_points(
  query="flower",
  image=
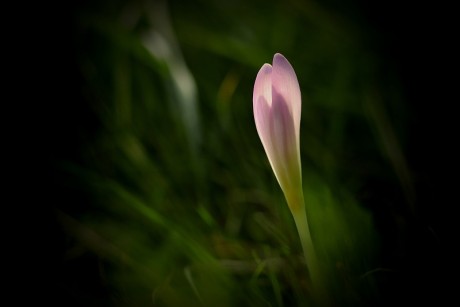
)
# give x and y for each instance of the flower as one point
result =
(277, 108)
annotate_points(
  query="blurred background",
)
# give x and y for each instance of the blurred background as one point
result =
(155, 189)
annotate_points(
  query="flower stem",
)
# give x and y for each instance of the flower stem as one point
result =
(297, 206)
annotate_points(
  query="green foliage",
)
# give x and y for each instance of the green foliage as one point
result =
(180, 205)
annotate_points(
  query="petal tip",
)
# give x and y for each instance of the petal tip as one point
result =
(279, 59)
(266, 68)
(278, 56)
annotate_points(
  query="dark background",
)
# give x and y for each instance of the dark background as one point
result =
(413, 59)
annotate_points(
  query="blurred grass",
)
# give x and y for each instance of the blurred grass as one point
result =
(177, 203)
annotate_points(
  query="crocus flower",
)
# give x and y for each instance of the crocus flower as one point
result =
(277, 108)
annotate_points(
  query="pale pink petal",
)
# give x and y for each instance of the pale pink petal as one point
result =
(262, 100)
(284, 143)
(277, 107)
(284, 81)
(263, 84)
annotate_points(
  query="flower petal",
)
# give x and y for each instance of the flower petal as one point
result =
(277, 108)
(263, 84)
(284, 143)
(284, 81)
(262, 100)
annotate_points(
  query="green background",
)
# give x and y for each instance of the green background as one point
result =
(158, 191)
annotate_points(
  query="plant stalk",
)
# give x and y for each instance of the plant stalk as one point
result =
(298, 210)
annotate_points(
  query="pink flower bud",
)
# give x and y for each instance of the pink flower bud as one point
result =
(277, 108)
